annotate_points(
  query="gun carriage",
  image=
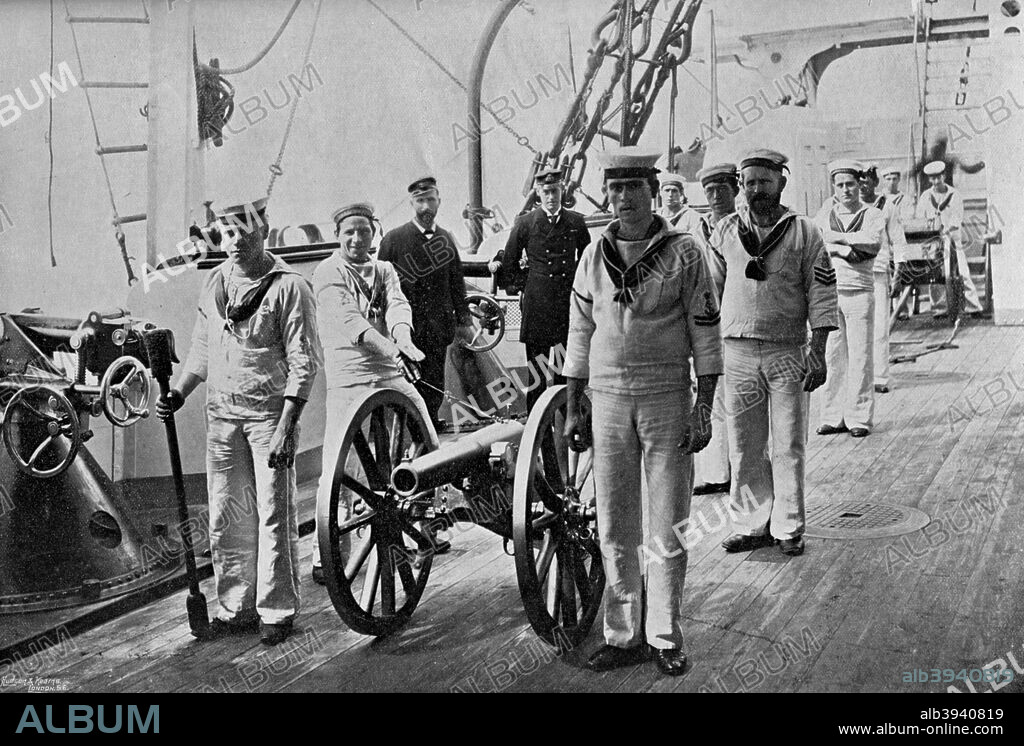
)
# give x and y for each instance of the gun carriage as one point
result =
(518, 480)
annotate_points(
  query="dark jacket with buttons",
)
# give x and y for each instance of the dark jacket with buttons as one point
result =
(430, 272)
(552, 252)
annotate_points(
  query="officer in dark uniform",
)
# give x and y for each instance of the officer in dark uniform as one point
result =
(427, 259)
(540, 259)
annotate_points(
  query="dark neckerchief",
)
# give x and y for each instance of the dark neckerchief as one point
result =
(879, 202)
(939, 207)
(897, 198)
(374, 296)
(855, 225)
(758, 249)
(245, 307)
(705, 228)
(627, 280)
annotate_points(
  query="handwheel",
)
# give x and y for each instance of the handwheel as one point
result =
(367, 534)
(41, 432)
(554, 528)
(124, 391)
(489, 323)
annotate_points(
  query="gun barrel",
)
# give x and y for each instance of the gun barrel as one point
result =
(455, 461)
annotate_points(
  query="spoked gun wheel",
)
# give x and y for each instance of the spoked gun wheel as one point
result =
(374, 547)
(554, 528)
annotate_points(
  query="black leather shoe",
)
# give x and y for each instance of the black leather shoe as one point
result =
(745, 543)
(318, 575)
(608, 657)
(712, 488)
(792, 547)
(881, 389)
(671, 661)
(859, 432)
(219, 628)
(831, 429)
(275, 634)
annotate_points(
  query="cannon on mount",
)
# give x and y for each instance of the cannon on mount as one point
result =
(65, 538)
(521, 481)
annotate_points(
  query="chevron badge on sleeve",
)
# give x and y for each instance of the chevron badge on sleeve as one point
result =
(824, 272)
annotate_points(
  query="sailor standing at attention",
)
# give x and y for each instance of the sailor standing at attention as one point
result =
(255, 344)
(891, 188)
(540, 258)
(893, 252)
(427, 259)
(721, 185)
(674, 208)
(943, 205)
(779, 281)
(643, 308)
(853, 233)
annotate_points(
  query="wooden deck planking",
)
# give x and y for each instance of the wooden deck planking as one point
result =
(960, 602)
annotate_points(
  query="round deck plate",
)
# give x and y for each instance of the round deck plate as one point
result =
(855, 519)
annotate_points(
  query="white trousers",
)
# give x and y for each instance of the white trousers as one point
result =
(711, 466)
(765, 404)
(636, 525)
(849, 393)
(938, 292)
(339, 400)
(254, 531)
(883, 286)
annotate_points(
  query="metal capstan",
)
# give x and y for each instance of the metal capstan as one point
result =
(67, 537)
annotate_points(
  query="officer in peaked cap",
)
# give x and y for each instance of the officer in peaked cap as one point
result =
(644, 308)
(540, 259)
(944, 205)
(427, 259)
(779, 281)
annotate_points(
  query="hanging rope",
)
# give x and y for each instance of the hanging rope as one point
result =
(266, 50)
(96, 133)
(275, 169)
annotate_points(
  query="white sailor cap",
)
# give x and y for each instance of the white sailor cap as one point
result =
(630, 163)
(889, 171)
(845, 166)
(720, 172)
(935, 168)
(766, 158)
(672, 180)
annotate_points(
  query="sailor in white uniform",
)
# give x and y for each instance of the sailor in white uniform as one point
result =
(255, 344)
(673, 205)
(779, 281)
(893, 252)
(891, 177)
(944, 205)
(721, 185)
(853, 234)
(643, 308)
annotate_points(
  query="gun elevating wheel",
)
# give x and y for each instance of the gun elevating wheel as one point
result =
(488, 323)
(124, 391)
(374, 545)
(554, 528)
(41, 431)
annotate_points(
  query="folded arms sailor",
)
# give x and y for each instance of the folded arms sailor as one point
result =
(255, 344)
(365, 324)
(853, 233)
(643, 307)
(779, 281)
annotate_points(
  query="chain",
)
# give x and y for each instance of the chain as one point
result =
(447, 395)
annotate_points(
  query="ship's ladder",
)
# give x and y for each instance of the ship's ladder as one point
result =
(89, 87)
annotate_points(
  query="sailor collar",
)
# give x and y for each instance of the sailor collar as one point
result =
(755, 247)
(628, 280)
(243, 308)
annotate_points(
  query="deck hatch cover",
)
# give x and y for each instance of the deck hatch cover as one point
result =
(850, 519)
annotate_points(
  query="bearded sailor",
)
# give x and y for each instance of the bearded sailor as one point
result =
(255, 344)
(779, 281)
(853, 234)
(944, 206)
(893, 252)
(643, 308)
(721, 185)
